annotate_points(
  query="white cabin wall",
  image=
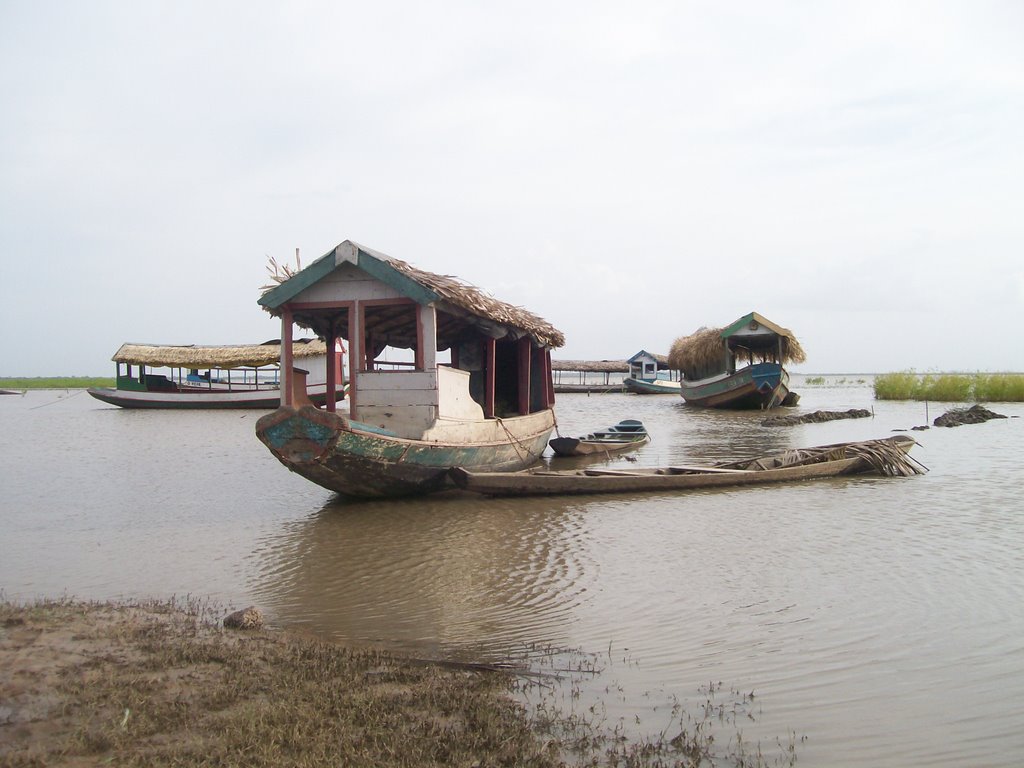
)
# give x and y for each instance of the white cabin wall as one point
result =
(406, 402)
(347, 283)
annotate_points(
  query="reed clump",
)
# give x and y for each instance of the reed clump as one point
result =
(951, 387)
(163, 684)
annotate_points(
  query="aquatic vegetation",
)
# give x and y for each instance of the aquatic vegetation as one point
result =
(55, 382)
(950, 387)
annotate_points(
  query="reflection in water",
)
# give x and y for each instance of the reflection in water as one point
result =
(451, 574)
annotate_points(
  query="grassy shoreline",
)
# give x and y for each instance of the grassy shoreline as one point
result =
(162, 683)
(55, 382)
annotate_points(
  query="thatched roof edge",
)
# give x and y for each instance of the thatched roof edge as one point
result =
(200, 356)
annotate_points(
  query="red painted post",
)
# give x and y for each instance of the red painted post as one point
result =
(286, 357)
(524, 375)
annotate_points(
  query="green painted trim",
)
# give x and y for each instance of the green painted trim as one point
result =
(743, 321)
(293, 286)
(370, 262)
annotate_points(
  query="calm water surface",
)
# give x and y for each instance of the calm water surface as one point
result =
(881, 618)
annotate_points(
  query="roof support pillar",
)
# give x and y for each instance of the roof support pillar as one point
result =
(286, 357)
(356, 350)
(489, 355)
(332, 366)
(524, 375)
(426, 338)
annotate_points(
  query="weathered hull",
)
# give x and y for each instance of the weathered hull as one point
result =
(658, 387)
(212, 399)
(596, 481)
(352, 459)
(759, 386)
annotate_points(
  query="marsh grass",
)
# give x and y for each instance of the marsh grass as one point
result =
(951, 387)
(55, 382)
(161, 684)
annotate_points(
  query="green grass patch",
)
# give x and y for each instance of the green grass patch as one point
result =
(55, 382)
(951, 387)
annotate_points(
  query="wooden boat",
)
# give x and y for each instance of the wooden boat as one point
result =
(887, 456)
(627, 435)
(647, 375)
(708, 360)
(651, 386)
(196, 376)
(488, 406)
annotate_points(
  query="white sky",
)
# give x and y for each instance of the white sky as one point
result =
(853, 171)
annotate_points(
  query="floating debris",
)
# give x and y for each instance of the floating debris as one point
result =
(976, 414)
(816, 417)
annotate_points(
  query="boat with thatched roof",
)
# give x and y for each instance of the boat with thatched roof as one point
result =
(647, 375)
(713, 371)
(202, 376)
(475, 389)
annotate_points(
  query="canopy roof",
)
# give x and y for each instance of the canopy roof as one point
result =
(449, 294)
(750, 333)
(198, 356)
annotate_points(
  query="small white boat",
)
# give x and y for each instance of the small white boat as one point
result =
(627, 435)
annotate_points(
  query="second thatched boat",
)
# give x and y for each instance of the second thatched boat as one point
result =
(715, 376)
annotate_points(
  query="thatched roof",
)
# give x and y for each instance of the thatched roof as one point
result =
(450, 294)
(751, 333)
(696, 350)
(591, 366)
(198, 356)
(470, 298)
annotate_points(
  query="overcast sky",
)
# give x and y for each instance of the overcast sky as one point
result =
(853, 171)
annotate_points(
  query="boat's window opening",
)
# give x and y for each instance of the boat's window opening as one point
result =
(390, 327)
(506, 378)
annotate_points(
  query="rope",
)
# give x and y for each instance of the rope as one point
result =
(515, 442)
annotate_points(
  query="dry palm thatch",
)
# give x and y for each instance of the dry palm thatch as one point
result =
(196, 356)
(468, 297)
(280, 272)
(700, 349)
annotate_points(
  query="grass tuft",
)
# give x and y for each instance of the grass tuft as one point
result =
(951, 387)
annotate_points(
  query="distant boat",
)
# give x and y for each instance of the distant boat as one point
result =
(649, 375)
(486, 403)
(196, 376)
(885, 457)
(627, 435)
(710, 358)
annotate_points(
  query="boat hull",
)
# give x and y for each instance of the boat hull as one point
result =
(355, 460)
(578, 446)
(211, 399)
(759, 386)
(551, 483)
(656, 387)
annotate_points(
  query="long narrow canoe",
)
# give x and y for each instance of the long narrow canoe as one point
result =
(886, 456)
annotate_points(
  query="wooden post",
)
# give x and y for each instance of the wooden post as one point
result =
(355, 353)
(549, 383)
(524, 375)
(489, 356)
(286, 357)
(332, 366)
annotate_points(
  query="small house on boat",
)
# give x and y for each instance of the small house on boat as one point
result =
(473, 389)
(739, 366)
(650, 375)
(204, 376)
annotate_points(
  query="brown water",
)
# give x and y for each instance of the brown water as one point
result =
(881, 618)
